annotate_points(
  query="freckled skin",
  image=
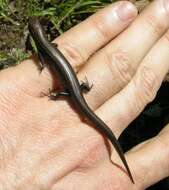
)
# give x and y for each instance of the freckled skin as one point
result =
(58, 64)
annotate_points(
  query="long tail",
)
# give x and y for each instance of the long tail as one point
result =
(105, 130)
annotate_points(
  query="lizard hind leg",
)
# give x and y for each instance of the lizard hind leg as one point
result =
(85, 86)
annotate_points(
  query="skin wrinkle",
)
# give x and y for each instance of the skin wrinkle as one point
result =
(148, 80)
(122, 64)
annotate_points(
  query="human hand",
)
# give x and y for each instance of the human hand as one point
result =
(45, 145)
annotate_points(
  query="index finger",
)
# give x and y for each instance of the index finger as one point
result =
(81, 41)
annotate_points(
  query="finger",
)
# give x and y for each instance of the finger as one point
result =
(124, 107)
(84, 39)
(118, 61)
(150, 161)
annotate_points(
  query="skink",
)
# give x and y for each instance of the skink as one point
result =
(59, 65)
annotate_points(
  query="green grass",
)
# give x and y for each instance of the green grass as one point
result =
(59, 12)
(60, 16)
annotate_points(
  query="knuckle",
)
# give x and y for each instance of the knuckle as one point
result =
(72, 54)
(120, 65)
(100, 29)
(156, 24)
(147, 83)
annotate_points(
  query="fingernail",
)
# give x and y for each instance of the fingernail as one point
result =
(126, 11)
(166, 4)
